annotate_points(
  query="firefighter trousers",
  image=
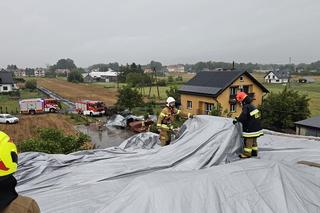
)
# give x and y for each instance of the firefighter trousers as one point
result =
(165, 137)
(250, 147)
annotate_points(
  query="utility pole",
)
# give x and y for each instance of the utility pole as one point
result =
(156, 82)
(289, 77)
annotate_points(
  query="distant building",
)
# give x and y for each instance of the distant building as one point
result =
(306, 79)
(39, 72)
(62, 71)
(148, 70)
(19, 73)
(207, 90)
(108, 76)
(7, 83)
(87, 78)
(176, 68)
(279, 76)
(308, 127)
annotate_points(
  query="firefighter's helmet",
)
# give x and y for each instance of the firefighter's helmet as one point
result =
(8, 155)
(241, 96)
(170, 102)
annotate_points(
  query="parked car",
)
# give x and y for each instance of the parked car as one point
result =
(8, 119)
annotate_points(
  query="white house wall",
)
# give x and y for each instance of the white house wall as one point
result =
(9, 86)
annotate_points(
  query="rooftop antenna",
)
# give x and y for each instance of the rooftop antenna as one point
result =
(232, 65)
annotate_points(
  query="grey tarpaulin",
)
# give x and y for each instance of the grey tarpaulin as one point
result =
(190, 175)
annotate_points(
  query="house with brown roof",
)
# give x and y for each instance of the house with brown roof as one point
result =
(209, 89)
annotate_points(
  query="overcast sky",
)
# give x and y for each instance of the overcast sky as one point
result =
(39, 32)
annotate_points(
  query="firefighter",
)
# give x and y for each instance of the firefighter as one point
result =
(166, 118)
(10, 201)
(250, 119)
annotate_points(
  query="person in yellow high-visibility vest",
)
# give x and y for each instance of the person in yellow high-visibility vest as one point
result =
(166, 118)
(10, 201)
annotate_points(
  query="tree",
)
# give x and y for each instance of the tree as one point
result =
(65, 64)
(31, 84)
(129, 98)
(157, 65)
(138, 79)
(12, 67)
(280, 110)
(75, 76)
(173, 92)
(170, 79)
(29, 71)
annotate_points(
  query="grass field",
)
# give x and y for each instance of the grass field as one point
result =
(312, 90)
(28, 125)
(11, 105)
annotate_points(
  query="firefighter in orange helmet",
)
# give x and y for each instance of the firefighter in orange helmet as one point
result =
(166, 118)
(10, 201)
(250, 120)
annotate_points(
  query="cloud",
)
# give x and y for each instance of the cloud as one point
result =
(37, 32)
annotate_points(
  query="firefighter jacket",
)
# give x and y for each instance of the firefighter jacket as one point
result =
(250, 119)
(167, 116)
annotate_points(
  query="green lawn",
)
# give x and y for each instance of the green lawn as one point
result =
(312, 90)
(10, 104)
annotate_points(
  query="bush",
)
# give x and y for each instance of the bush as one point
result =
(75, 76)
(179, 78)
(280, 111)
(53, 141)
(31, 84)
(170, 79)
(129, 98)
(216, 111)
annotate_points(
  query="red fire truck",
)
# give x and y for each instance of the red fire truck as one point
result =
(92, 108)
(38, 105)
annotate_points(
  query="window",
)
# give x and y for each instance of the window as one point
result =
(241, 78)
(208, 107)
(189, 104)
(233, 90)
(233, 107)
(5, 88)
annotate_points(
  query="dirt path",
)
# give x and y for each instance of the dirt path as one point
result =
(76, 92)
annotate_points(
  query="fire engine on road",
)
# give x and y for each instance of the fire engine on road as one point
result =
(92, 108)
(38, 105)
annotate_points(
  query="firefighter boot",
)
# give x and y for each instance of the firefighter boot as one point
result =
(254, 148)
